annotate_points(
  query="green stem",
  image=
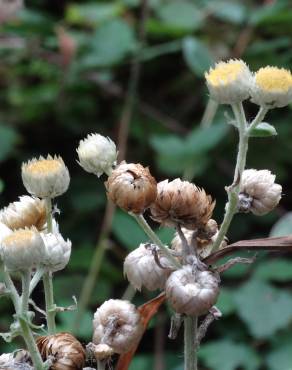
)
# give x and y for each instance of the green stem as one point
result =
(25, 279)
(258, 119)
(50, 305)
(151, 234)
(190, 350)
(13, 292)
(49, 215)
(233, 190)
(30, 343)
(36, 278)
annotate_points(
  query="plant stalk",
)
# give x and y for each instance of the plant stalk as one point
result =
(233, 190)
(25, 279)
(151, 234)
(190, 350)
(258, 119)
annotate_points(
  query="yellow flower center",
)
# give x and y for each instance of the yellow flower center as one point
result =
(18, 237)
(274, 79)
(44, 166)
(224, 73)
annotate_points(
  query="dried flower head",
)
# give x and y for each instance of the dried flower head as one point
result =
(192, 293)
(45, 177)
(22, 249)
(66, 351)
(272, 87)
(118, 324)
(229, 82)
(141, 269)
(258, 192)
(131, 187)
(26, 212)
(180, 202)
(57, 251)
(97, 154)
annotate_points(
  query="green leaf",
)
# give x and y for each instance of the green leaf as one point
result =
(229, 11)
(283, 226)
(228, 355)
(276, 270)
(127, 231)
(92, 13)
(180, 14)
(225, 302)
(196, 55)
(110, 44)
(263, 308)
(280, 358)
(8, 140)
(263, 129)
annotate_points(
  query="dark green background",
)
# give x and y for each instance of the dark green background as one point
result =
(46, 108)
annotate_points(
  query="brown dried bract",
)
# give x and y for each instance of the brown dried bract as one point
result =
(65, 350)
(131, 187)
(180, 202)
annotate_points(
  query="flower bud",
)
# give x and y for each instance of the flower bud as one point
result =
(97, 154)
(229, 82)
(26, 212)
(259, 192)
(272, 87)
(22, 249)
(141, 269)
(45, 178)
(180, 202)
(131, 187)
(66, 351)
(57, 251)
(118, 324)
(192, 293)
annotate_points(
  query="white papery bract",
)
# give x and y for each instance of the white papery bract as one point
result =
(141, 269)
(23, 249)
(45, 177)
(118, 324)
(192, 293)
(97, 154)
(27, 212)
(260, 186)
(57, 251)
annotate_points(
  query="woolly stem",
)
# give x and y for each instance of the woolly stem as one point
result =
(233, 190)
(25, 279)
(151, 234)
(190, 335)
(50, 305)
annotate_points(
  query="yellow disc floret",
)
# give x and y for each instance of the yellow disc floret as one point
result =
(19, 237)
(44, 166)
(274, 79)
(224, 73)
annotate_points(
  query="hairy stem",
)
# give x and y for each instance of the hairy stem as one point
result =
(35, 279)
(151, 234)
(233, 190)
(190, 335)
(25, 279)
(258, 119)
(50, 305)
(13, 292)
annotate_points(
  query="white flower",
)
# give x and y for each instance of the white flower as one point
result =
(192, 293)
(260, 191)
(57, 251)
(45, 177)
(118, 324)
(229, 82)
(97, 154)
(26, 212)
(22, 249)
(141, 269)
(272, 87)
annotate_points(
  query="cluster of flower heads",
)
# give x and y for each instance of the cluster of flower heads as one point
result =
(232, 82)
(26, 241)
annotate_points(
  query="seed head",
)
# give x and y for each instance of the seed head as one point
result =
(141, 269)
(180, 202)
(131, 187)
(229, 82)
(67, 352)
(260, 190)
(118, 324)
(97, 154)
(192, 293)
(45, 178)
(22, 249)
(272, 87)
(26, 212)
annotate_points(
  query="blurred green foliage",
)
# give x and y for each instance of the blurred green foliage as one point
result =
(53, 94)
